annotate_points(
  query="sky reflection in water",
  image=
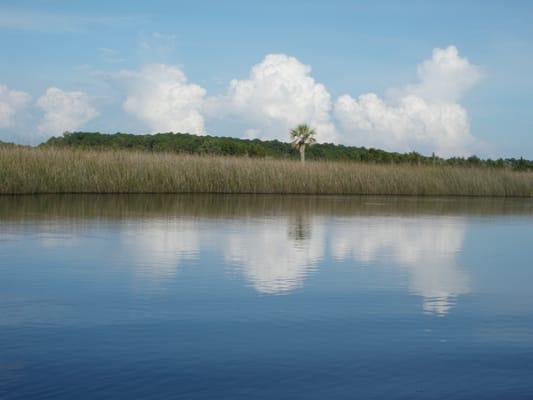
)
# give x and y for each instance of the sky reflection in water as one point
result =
(369, 271)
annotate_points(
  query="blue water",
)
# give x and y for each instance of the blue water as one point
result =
(266, 297)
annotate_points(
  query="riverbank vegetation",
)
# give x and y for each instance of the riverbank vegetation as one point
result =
(52, 169)
(6, 144)
(183, 143)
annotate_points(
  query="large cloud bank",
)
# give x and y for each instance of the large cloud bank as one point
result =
(423, 116)
(278, 93)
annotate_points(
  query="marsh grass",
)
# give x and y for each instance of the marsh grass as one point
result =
(55, 170)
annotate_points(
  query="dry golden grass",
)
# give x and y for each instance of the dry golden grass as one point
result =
(31, 170)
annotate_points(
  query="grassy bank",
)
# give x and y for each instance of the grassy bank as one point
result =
(62, 170)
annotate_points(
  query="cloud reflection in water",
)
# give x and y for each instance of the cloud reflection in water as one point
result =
(277, 254)
(425, 247)
(161, 246)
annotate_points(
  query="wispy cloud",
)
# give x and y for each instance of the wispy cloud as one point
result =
(157, 46)
(41, 21)
(111, 56)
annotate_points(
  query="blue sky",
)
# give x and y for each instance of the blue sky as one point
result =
(452, 77)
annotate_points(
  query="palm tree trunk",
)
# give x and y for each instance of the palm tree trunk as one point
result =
(302, 153)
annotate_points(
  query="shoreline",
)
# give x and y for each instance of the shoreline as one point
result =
(82, 207)
(288, 194)
(31, 171)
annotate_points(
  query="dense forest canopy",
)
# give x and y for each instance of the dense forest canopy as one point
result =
(4, 144)
(193, 144)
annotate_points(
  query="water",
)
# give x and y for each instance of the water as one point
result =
(268, 297)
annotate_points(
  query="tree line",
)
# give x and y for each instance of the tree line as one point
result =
(227, 146)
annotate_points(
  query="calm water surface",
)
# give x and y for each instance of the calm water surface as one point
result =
(266, 297)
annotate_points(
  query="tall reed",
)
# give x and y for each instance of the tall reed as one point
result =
(54, 170)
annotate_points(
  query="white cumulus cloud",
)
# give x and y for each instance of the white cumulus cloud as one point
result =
(278, 94)
(412, 123)
(64, 111)
(446, 76)
(424, 116)
(160, 96)
(11, 103)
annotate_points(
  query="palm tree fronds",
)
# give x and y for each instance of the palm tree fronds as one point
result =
(302, 136)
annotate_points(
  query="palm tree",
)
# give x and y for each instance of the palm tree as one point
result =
(302, 136)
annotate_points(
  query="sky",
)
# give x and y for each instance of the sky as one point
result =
(450, 77)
